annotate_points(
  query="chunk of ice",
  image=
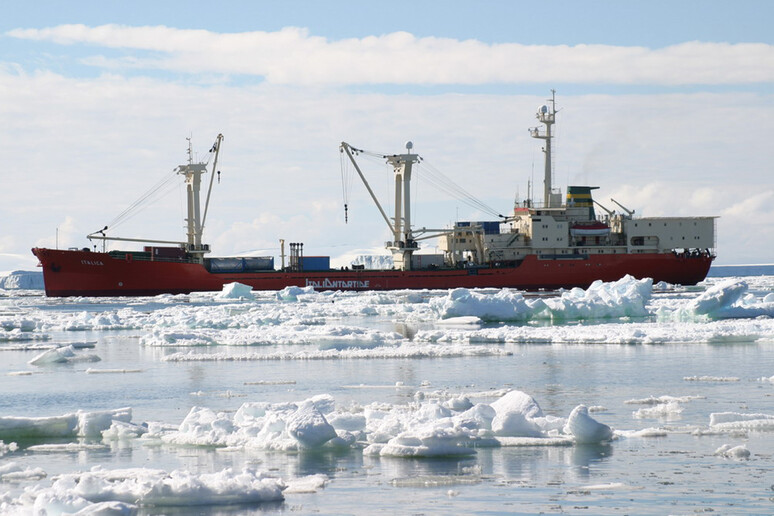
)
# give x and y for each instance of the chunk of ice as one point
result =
(586, 429)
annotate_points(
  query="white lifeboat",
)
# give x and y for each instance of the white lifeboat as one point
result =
(595, 229)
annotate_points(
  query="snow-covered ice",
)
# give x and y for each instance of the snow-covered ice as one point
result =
(63, 355)
(733, 452)
(128, 488)
(291, 346)
(586, 429)
(78, 424)
(22, 280)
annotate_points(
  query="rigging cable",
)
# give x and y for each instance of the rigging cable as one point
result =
(160, 189)
(434, 177)
(443, 183)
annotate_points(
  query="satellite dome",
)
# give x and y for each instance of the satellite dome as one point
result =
(409, 145)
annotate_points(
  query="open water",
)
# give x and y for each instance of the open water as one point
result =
(655, 372)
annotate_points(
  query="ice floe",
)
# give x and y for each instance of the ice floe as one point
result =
(626, 297)
(78, 424)
(63, 355)
(121, 491)
(628, 311)
(236, 291)
(710, 378)
(733, 452)
(730, 299)
(668, 411)
(730, 421)
(15, 472)
(455, 426)
(425, 429)
(403, 351)
(7, 448)
(421, 419)
(586, 429)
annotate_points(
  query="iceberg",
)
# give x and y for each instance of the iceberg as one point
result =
(22, 280)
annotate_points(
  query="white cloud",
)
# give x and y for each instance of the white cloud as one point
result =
(82, 149)
(293, 56)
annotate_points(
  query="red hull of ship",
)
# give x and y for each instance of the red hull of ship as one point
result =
(83, 273)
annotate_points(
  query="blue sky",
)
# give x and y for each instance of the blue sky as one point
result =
(654, 23)
(666, 106)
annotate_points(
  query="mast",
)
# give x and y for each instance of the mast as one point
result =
(546, 116)
(403, 245)
(193, 180)
(192, 173)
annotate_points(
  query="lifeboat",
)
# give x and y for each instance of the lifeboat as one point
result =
(594, 229)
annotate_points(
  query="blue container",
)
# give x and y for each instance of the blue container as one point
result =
(315, 263)
(258, 263)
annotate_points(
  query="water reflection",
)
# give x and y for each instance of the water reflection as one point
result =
(419, 468)
(585, 455)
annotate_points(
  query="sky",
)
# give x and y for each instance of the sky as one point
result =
(666, 106)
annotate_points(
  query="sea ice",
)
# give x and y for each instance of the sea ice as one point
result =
(515, 414)
(407, 350)
(733, 452)
(7, 448)
(732, 421)
(517, 401)
(15, 472)
(718, 296)
(284, 426)
(309, 484)
(292, 293)
(710, 378)
(78, 424)
(309, 426)
(505, 305)
(669, 410)
(730, 299)
(120, 430)
(586, 429)
(202, 427)
(627, 297)
(236, 290)
(74, 492)
(653, 400)
(62, 355)
(430, 440)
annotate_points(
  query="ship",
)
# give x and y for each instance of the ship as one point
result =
(554, 244)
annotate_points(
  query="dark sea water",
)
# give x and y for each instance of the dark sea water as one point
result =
(724, 271)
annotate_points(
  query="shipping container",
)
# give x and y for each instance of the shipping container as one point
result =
(173, 253)
(315, 263)
(136, 255)
(240, 264)
(259, 263)
(225, 264)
